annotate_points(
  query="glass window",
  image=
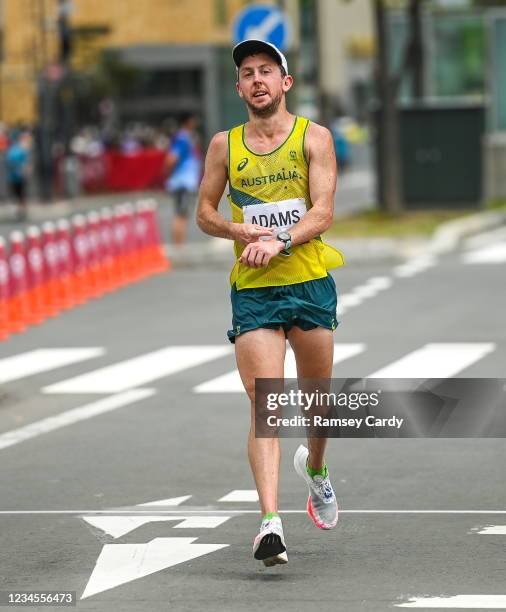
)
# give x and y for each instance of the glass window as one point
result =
(458, 60)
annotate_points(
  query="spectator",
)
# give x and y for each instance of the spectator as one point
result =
(18, 168)
(184, 166)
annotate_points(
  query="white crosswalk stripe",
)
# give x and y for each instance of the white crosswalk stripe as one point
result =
(231, 382)
(433, 360)
(436, 360)
(43, 360)
(139, 370)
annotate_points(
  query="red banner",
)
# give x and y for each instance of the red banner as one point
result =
(116, 171)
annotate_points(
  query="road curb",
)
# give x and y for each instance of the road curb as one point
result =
(450, 234)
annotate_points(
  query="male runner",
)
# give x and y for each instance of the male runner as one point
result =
(282, 172)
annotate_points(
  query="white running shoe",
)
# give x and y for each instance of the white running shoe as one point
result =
(269, 545)
(321, 503)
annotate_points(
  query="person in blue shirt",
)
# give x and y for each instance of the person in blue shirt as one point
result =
(184, 163)
(18, 164)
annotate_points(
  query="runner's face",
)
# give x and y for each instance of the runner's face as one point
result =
(261, 84)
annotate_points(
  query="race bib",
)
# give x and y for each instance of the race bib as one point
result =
(278, 216)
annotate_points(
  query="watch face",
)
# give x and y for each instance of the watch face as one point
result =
(284, 236)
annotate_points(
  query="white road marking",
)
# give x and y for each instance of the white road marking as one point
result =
(43, 360)
(349, 300)
(172, 501)
(75, 415)
(358, 294)
(240, 495)
(469, 602)
(380, 282)
(202, 522)
(436, 360)
(492, 530)
(231, 382)
(118, 526)
(122, 563)
(191, 511)
(415, 266)
(494, 254)
(372, 287)
(139, 370)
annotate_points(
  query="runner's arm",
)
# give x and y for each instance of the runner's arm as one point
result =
(211, 189)
(320, 153)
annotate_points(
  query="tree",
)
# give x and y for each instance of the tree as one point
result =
(389, 163)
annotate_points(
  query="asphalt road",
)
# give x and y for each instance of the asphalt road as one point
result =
(421, 518)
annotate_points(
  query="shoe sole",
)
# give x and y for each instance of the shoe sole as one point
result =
(271, 551)
(301, 451)
(281, 559)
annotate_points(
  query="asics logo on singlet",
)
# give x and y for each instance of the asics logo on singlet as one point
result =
(242, 164)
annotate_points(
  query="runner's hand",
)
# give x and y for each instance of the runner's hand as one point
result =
(249, 232)
(258, 254)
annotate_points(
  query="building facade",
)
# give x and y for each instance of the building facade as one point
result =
(181, 48)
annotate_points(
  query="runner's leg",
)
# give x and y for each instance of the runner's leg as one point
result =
(260, 353)
(314, 352)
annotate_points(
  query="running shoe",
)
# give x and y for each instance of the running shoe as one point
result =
(321, 503)
(269, 545)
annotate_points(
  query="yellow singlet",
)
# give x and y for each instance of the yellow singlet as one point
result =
(272, 190)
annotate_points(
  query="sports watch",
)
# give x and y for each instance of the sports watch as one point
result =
(287, 240)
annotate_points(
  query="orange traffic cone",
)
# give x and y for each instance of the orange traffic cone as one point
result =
(131, 257)
(51, 290)
(96, 259)
(119, 232)
(18, 305)
(156, 257)
(142, 239)
(107, 246)
(35, 263)
(65, 264)
(4, 292)
(81, 279)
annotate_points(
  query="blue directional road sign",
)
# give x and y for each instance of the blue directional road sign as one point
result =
(264, 22)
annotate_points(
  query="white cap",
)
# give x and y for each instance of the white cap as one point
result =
(254, 45)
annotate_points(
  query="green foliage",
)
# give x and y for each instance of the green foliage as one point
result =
(489, 3)
(496, 204)
(111, 77)
(377, 223)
